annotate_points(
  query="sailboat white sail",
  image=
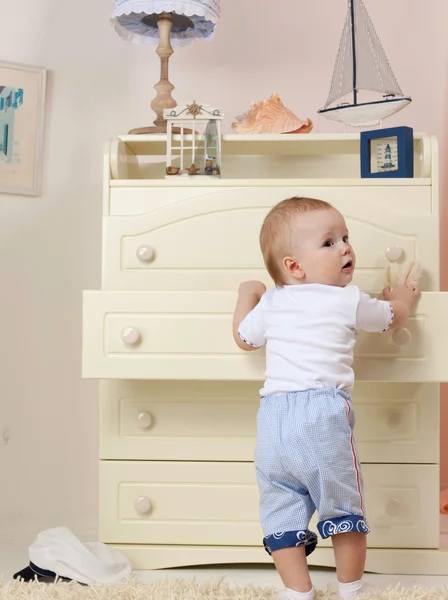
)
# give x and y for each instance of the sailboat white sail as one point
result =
(362, 64)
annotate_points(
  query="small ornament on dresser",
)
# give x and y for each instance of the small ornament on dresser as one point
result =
(362, 66)
(211, 166)
(172, 170)
(193, 170)
(193, 138)
(387, 153)
(270, 117)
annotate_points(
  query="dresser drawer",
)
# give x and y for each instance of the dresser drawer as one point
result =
(216, 421)
(217, 504)
(188, 336)
(208, 239)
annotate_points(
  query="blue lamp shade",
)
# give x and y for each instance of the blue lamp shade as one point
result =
(136, 20)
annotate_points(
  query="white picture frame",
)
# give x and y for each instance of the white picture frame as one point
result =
(22, 111)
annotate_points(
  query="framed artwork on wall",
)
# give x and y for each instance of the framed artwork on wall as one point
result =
(22, 108)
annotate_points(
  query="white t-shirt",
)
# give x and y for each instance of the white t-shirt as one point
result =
(310, 332)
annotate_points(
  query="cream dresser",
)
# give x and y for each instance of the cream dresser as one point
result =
(178, 399)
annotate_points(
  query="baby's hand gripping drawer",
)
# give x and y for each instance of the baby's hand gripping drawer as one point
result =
(188, 335)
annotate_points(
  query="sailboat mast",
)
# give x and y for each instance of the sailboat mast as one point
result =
(352, 16)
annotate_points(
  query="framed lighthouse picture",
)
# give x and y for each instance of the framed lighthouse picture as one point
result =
(387, 153)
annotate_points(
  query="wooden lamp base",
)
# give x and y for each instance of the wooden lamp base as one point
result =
(165, 23)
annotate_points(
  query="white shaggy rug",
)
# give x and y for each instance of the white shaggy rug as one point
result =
(185, 590)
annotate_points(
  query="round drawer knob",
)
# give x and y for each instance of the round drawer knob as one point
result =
(143, 505)
(394, 508)
(144, 420)
(145, 253)
(394, 419)
(401, 336)
(131, 336)
(394, 253)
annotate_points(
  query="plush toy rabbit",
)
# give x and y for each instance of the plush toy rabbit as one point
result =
(405, 274)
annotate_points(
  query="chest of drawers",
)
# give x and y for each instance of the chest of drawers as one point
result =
(178, 399)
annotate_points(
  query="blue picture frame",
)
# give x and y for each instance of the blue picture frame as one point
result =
(405, 152)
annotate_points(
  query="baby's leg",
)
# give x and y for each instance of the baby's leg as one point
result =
(288, 512)
(293, 569)
(285, 504)
(340, 498)
(350, 555)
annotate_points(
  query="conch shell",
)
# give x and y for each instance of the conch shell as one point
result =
(271, 116)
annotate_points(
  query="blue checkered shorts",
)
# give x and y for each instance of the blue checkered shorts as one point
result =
(305, 461)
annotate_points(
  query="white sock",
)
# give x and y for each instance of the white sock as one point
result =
(349, 591)
(292, 595)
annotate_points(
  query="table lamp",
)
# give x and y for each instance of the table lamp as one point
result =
(164, 21)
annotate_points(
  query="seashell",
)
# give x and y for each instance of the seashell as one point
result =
(172, 170)
(271, 116)
(193, 170)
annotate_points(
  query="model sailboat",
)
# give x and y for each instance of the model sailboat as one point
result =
(362, 64)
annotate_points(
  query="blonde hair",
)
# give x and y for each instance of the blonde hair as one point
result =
(275, 234)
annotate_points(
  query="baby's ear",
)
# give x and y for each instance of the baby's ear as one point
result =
(293, 267)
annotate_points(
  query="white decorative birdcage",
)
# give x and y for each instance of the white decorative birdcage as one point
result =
(193, 141)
